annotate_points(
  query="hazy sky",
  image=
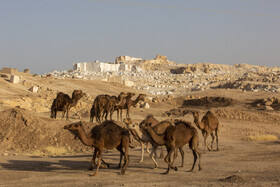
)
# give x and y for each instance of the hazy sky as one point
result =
(46, 35)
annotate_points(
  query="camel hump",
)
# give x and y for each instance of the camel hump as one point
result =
(168, 134)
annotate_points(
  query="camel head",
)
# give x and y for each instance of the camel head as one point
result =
(133, 126)
(130, 94)
(148, 118)
(145, 126)
(74, 128)
(78, 94)
(196, 120)
(141, 97)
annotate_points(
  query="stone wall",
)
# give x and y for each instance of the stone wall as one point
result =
(9, 70)
(101, 67)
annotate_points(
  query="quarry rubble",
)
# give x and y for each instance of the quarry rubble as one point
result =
(188, 78)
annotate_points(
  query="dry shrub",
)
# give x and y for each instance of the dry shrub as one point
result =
(267, 137)
(50, 150)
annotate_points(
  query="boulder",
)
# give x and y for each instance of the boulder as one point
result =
(14, 79)
(34, 89)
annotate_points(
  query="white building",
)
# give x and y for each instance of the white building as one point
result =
(104, 67)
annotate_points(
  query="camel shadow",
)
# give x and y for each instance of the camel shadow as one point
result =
(60, 163)
(44, 166)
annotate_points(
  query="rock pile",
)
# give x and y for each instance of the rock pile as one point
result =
(188, 78)
(271, 103)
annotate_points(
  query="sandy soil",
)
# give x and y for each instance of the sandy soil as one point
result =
(244, 159)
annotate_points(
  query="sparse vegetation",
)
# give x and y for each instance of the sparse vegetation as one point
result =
(267, 137)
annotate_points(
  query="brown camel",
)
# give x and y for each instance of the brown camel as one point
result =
(176, 137)
(127, 103)
(160, 129)
(112, 103)
(144, 137)
(63, 103)
(208, 124)
(104, 104)
(150, 119)
(107, 135)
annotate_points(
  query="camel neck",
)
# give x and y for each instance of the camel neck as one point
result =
(198, 123)
(135, 101)
(158, 139)
(85, 138)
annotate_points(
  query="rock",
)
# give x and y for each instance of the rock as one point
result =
(14, 79)
(269, 108)
(129, 83)
(34, 89)
(145, 105)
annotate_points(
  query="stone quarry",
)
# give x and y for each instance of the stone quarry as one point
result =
(163, 77)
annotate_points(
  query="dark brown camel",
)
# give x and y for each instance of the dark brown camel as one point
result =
(176, 137)
(209, 123)
(127, 103)
(63, 103)
(112, 103)
(104, 104)
(107, 135)
(98, 106)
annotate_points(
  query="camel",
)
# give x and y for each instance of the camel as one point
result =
(141, 137)
(127, 103)
(63, 103)
(176, 137)
(159, 129)
(107, 135)
(104, 104)
(114, 102)
(150, 119)
(208, 124)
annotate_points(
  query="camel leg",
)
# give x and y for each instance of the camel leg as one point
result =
(213, 138)
(121, 156)
(125, 145)
(205, 135)
(67, 114)
(121, 115)
(182, 154)
(118, 115)
(92, 163)
(194, 160)
(147, 148)
(195, 152)
(153, 156)
(63, 114)
(142, 151)
(98, 163)
(167, 160)
(217, 139)
(194, 147)
(174, 156)
(111, 114)
(127, 113)
(161, 152)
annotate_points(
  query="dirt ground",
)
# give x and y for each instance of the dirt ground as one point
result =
(249, 147)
